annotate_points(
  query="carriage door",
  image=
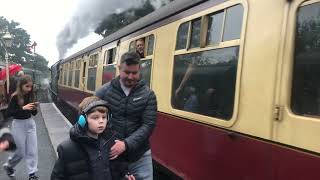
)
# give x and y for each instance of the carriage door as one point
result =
(297, 109)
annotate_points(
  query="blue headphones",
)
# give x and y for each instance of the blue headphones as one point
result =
(82, 121)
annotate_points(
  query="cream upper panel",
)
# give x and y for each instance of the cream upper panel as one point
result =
(256, 75)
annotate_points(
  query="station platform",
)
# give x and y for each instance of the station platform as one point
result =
(52, 128)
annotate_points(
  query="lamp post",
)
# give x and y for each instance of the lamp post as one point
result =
(7, 42)
(34, 44)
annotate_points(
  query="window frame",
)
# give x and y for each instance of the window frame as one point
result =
(203, 47)
(292, 58)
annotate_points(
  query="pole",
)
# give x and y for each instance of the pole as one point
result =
(34, 70)
(7, 71)
(34, 62)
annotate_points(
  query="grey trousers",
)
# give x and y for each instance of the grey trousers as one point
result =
(25, 136)
(142, 169)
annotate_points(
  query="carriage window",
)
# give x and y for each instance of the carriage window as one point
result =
(91, 81)
(195, 33)
(305, 95)
(93, 61)
(70, 74)
(111, 56)
(214, 28)
(109, 72)
(150, 45)
(77, 74)
(204, 82)
(145, 70)
(132, 46)
(76, 78)
(60, 76)
(70, 78)
(182, 36)
(233, 23)
(65, 78)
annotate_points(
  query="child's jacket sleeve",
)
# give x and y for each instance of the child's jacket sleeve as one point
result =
(58, 172)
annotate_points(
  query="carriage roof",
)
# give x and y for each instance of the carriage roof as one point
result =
(154, 17)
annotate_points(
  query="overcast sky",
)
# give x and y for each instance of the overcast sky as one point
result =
(43, 20)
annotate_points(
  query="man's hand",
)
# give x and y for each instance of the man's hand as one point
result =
(130, 177)
(118, 148)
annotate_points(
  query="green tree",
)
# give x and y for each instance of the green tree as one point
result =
(21, 40)
(20, 49)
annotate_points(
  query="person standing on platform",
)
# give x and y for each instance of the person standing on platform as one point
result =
(21, 106)
(134, 108)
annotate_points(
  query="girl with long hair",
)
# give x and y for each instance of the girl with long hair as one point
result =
(21, 106)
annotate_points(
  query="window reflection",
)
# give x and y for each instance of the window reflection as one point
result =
(214, 28)
(91, 82)
(150, 45)
(70, 78)
(204, 82)
(145, 71)
(65, 77)
(76, 78)
(182, 36)
(109, 72)
(305, 98)
(233, 23)
(195, 33)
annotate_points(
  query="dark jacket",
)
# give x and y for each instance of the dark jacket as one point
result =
(85, 158)
(133, 116)
(15, 110)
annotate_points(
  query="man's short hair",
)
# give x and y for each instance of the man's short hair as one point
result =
(141, 39)
(8, 137)
(130, 58)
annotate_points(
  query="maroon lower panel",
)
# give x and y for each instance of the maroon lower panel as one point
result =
(198, 152)
(72, 96)
(295, 165)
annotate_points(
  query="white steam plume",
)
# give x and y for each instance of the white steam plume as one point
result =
(89, 15)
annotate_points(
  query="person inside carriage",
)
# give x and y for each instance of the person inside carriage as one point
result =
(140, 45)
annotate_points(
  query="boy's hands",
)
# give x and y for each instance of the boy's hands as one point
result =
(118, 148)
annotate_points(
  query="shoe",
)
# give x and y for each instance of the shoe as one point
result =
(9, 170)
(34, 177)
